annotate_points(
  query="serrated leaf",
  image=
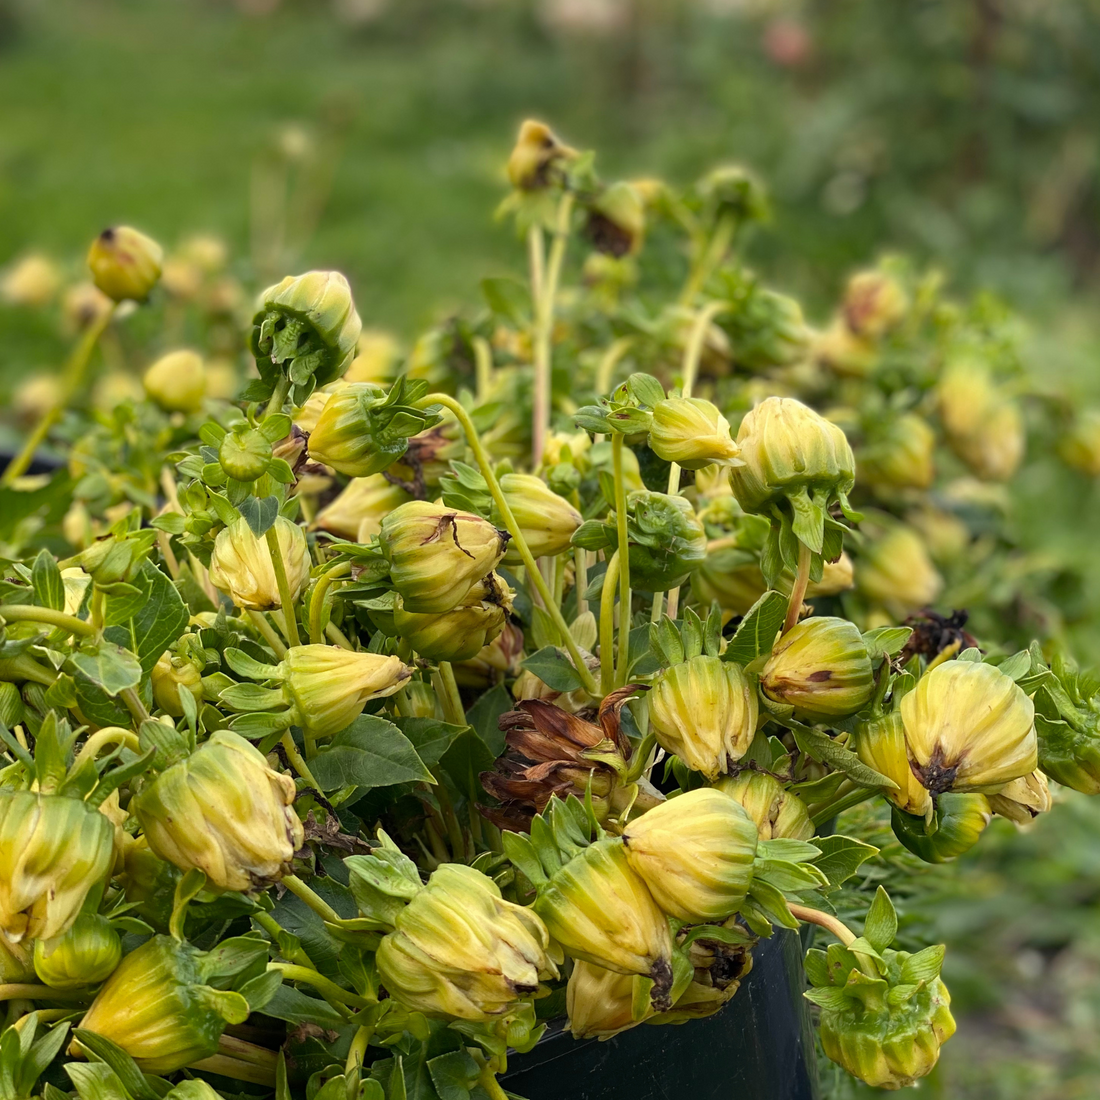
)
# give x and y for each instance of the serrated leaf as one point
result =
(371, 752)
(108, 666)
(49, 588)
(758, 629)
(822, 748)
(159, 619)
(924, 966)
(841, 857)
(553, 668)
(296, 1007)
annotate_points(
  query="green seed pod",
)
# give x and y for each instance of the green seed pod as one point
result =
(157, 1008)
(695, 852)
(437, 555)
(547, 521)
(328, 686)
(1080, 446)
(600, 911)
(719, 968)
(960, 820)
(460, 951)
(874, 303)
(779, 814)
(1067, 717)
(1022, 800)
(461, 634)
(241, 564)
(881, 745)
(704, 710)
(667, 540)
(53, 851)
(692, 433)
(537, 157)
(224, 812)
(358, 511)
(732, 191)
(897, 573)
(599, 1002)
(125, 264)
(346, 438)
(984, 426)
(169, 677)
(903, 459)
(245, 453)
(308, 325)
(789, 450)
(616, 221)
(177, 381)
(11, 705)
(969, 727)
(820, 667)
(84, 955)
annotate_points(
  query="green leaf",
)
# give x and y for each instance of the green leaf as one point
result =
(297, 1008)
(258, 991)
(841, 857)
(925, 965)
(1015, 667)
(454, 1074)
(888, 641)
(371, 752)
(829, 998)
(259, 514)
(49, 588)
(508, 297)
(553, 668)
(465, 760)
(155, 623)
(108, 666)
(430, 737)
(757, 632)
(96, 1082)
(822, 748)
(484, 717)
(881, 925)
(122, 1065)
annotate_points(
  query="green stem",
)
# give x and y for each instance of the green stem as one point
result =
(317, 903)
(24, 667)
(337, 636)
(278, 396)
(286, 597)
(295, 758)
(709, 258)
(70, 383)
(16, 613)
(536, 577)
(624, 561)
(607, 626)
(317, 600)
(134, 705)
(226, 1066)
(319, 982)
(544, 324)
(272, 927)
(268, 631)
(838, 805)
(580, 578)
(22, 991)
(95, 616)
(823, 920)
(452, 700)
(483, 362)
(450, 818)
(798, 589)
(358, 1049)
(111, 735)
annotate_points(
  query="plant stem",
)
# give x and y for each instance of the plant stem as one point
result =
(483, 363)
(16, 613)
(851, 797)
(23, 991)
(111, 735)
(319, 982)
(286, 597)
(358, 1049)
(317, 600)
(278, 397)
(708, 258)
(272, 927)
(134, 705)
(268, 631)
(295, 758)
(624, 561)
(234, 1068)
(580, 578)
(607, 626)
(544, 324)
(317, 903)
(823, 920)
(24, 667)
(535, 577)
(452, 700)
(798, 590)
(70, 383)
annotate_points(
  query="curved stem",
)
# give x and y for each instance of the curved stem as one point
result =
(607, 626)
(358, 1049)
(317, 600)
(134, 705)
(286, 597)
(798, 589)
(269, 635)
(709, 258)
(70, 383)
(227, 1066)
(317, 903)
(624, 561)
(272, 927)
(23, 991)
(16, 613)
(111, 735)
(296, 761)
(278, 397)
(483, 363)
(823, 920)
(337, 636)
(24, 667)
(329, 989)
(534, 574)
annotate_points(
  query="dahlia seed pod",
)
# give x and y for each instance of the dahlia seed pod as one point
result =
(779, 814)
(704, 710)
(537, 155)
(177, 381)
(1080, 446)
(346, 438)
(984, 427)
(599, 1002)
(170, 676)
(241, 564)
(969, 727)
(224, 812)
(125, 264)
(245, 454)
(667, 540)
(86, 954)
(821, 668)
(695, 852)
(546, 521)
(460, 951)
(1022, 800)
(461, 634)
(358, 511)
(692, 433)
(897, 573)
(881, 745)
(960, 820)
(437, 555)
(874, 303)
(903, 459)
(719, 968)
(616, 221)
(32, 281)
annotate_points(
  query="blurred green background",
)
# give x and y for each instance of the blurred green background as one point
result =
(964, 132)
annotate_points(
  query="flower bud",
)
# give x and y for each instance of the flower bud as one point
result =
(881, 745)
(896, 572)
(695, 852)
(704, 710)
(984, 427)
(667, 540)
(84, 955)
(460, 950)
(843, 352)
(460, 634)
(600, 911)
(35, 397)
(779, 814)
(223, 811)
(1080, 446)
(170, 676)
(616, 221)
(598, 1001)
(345, 438)
(358, 511)
(874, 303)
(836, 577)
(789, 450)
(241, 564)
(308, 324)
(732, 191)
(177, 381)
(546, 520)
(537, 156)
(498, 661)
(969, 727)
(245, 453)
(821, 668)
(53, 851)
(437, 555)
(959, 821)
(32, 281)
(719, 968)
(692, 433)
(81, 306)
(903, 459)
(328, 686)
(125, 263)
(1022, 800)
(156, 1007)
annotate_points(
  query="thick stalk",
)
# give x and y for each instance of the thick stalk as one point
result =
(544, 325)
(798, 590)
(24, 667)
(272, 927)
(226, 1066)
(24, 991)
(624, 561)
(329, 989)
(296, 761)
(17, 613)
(70, 383)
(823, 920)
(278, 397)
(286, 597)
(452, 700)
(708, 258)
(607, 626)
(536, 578)
(317, 601)
(358, 1049)
(111, 735)
(317, 903)
(134, 705)
(580, 578)
(337, 636)
(268, 632)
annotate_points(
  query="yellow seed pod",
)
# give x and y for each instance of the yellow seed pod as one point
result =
(843, 352)
(969, 727)
(897, 573)
(32, 281)
(358, 511)
(779, 814)
(691, 432)
(1080, 446)
(460, 634)
(904, 459)
(536, 154)
(125, 264)
(241, 564)
(599, 1002)
(881, 745)
(170, 676)
(546, 520)
(984, 427)
(84, 955)
(874, 303)
(1022, 800)
(177, 381)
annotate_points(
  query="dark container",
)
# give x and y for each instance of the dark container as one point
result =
(759, 1047)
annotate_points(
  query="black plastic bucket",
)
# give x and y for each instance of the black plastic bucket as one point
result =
(759, 1047)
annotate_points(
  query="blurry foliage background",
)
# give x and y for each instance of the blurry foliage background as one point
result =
(961, 131)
